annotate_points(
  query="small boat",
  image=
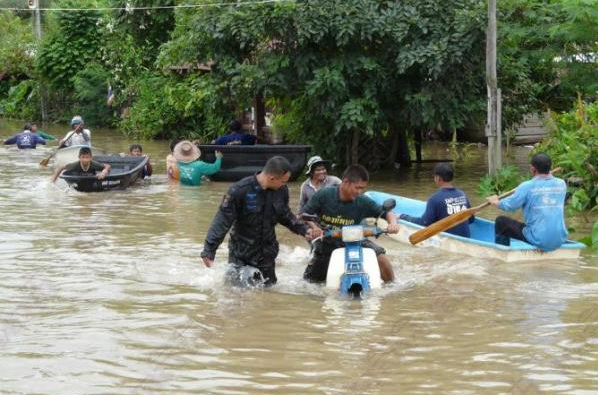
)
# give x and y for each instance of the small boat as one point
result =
(67, 155)
(125, 171)
(240, 161)
(481, 243)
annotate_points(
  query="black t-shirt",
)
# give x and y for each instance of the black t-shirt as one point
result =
(75, 169)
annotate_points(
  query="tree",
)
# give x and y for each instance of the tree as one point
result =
(342, 69)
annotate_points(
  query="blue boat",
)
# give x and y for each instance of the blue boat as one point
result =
(481, 243)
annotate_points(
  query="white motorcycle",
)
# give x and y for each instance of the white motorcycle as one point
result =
(353, 270)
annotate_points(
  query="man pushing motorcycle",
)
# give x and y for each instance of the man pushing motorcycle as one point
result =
(346, 205)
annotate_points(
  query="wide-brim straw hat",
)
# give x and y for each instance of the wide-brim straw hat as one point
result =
(314, 161)
(186, 151)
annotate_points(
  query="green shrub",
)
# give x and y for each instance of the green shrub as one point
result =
(573, 146)
(504, 180)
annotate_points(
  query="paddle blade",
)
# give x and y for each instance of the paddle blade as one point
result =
(44, 162)
(441, 226)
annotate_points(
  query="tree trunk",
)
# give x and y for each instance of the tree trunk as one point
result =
(418, 146)
(403, 156)
(354, 147)
(260, 116)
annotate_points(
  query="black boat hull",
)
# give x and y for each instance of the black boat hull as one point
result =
(125, 171)
(240, 161)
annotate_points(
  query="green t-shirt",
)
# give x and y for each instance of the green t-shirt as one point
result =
(327, 205)
(190, 173)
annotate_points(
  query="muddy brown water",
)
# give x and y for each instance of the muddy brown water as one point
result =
(106, 294)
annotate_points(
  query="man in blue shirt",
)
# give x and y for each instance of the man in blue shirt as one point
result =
(236, 136)
(446, 201)
(542, 199)
(25, 139)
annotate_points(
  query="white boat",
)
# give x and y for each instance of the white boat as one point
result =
(67, 155)
(481, 243)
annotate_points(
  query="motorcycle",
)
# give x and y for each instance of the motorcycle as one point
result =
(353, 270)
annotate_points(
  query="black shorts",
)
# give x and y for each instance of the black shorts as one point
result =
(317, 268)
(506, 228)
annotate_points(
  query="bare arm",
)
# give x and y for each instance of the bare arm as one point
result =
(57, 173)
(104, 172)
(393, 226)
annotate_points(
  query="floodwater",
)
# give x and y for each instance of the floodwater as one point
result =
(106, 294)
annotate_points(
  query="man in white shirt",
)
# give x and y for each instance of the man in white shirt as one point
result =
(77, 136)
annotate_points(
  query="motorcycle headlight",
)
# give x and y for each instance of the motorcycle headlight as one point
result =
(352, 233)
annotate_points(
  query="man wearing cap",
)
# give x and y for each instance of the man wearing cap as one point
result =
(77, 136)
(317, 169)
(252, 207)
(190, 167)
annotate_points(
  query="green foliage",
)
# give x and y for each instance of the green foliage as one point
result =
(90, 86)
(75, 44)
(16, 46)
(148, 29)
(573, 146)
(504, 180)
(167, 108)
(545, 54)
(592, 239)
(22, 100)
(342, 66)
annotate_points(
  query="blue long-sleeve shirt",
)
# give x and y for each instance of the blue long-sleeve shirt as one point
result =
(542, 199)
(25, 140)
(445, 202)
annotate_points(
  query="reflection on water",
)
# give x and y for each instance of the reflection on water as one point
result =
(106, 294)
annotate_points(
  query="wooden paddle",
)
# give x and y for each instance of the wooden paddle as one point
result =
(44, 162)
(450, 221)
(455, 219)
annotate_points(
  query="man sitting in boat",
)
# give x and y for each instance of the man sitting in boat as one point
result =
(446, 201)
(191, 169)
(317, 169)
(542, 199)
(26, 139)
(342, 205)
(236, 136)
(85, 166)
(77, 136)
(137, 150)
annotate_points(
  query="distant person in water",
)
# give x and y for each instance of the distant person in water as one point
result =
(191, 169)
(85, 166)
(447, 200)
(172, 169)
(41, 133)
(78, 136)
(236, 136)
(137, 150)
(25, 139)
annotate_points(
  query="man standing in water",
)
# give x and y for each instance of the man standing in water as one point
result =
(253, 207)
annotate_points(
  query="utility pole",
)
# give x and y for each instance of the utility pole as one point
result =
(37, 23)
(493, 131)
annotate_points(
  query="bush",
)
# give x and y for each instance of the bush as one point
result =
(573, 146)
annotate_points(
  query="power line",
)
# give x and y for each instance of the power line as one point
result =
(240, 3)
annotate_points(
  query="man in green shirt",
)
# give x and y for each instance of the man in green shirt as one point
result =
(346, 205)
(190, 167)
